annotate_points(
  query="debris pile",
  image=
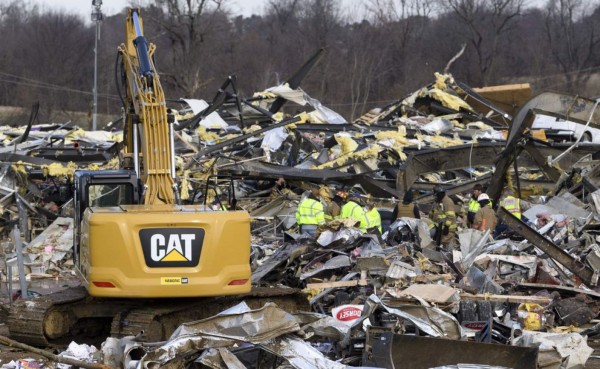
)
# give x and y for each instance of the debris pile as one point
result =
(438, 223)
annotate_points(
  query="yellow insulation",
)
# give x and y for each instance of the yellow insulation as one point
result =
(448, 100)
(347, 144)
(207, 136)
(370, 152)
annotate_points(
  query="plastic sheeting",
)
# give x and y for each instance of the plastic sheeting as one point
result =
(572, 347)
(274, 139)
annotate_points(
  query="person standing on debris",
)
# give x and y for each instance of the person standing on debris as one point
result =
(310, 213)
(352, 209)
(443, 214)
(407, 208)
(485, 218)
(513, 205)
(373, 217)
(474, 204)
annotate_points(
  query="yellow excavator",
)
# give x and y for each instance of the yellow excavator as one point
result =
(133, 243)
(153, 247)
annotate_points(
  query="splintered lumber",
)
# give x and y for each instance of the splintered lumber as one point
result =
(334, 284)
(508, 298)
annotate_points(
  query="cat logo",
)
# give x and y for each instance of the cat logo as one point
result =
(179, 247)
(172, 247)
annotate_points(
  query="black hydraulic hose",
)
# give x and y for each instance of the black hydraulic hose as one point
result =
(117, 80)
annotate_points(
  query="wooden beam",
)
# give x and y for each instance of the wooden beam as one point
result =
(335, 284)
(507, 298)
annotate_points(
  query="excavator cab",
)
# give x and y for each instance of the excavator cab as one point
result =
(126, 249)
(101, 189)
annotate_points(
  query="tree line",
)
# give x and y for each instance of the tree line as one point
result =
(395, 48)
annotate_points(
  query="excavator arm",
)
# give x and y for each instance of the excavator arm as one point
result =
(148, 127)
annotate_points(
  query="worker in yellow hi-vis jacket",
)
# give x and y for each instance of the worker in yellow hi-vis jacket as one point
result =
(310, 214)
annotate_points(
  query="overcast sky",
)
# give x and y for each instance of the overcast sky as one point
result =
(110, 7)
(242, 7)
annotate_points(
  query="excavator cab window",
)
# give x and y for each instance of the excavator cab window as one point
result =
(102, 195)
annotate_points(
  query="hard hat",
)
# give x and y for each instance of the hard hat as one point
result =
(483, 196)
(342, 194)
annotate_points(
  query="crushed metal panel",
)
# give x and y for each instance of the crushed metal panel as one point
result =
(394, 351)
(450, 158)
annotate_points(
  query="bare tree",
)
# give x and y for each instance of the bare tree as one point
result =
(572, 39)
(401, 24)
(484, 23)
(367, 62)
(186, 24)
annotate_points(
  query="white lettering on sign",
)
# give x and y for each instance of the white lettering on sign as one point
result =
(176, 247)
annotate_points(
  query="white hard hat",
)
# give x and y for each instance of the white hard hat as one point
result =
(483, 196)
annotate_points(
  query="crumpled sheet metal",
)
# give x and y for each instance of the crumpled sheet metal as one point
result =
(238, 324)
(300, 354)
(572, 347)
(430, 320)
(347, 236)
(472, 242)
(336, 262)
(321, 114)
(243, 324)
(322, 325)
(219, 358)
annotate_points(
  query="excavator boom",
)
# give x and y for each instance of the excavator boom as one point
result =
(147, 122)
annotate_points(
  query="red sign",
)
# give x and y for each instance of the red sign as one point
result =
(348, 313)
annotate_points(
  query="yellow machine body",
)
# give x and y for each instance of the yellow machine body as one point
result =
(149, 251)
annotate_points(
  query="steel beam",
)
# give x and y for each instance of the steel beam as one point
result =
(575, 266)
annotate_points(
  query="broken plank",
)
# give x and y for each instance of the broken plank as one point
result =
(432, 278)
(335, 284)
(573, 290)
(507, 298)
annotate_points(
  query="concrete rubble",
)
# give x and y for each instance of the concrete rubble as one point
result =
(523, 297)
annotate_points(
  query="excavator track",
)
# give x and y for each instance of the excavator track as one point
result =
(61, 317)
(29, 320)
(157, 323)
